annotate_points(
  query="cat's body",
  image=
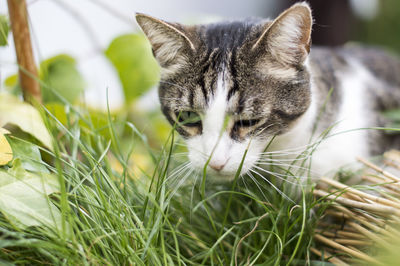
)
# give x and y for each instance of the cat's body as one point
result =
(350, 88)
(237, 87)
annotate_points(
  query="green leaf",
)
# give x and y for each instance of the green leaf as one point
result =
(4, 28)
(137, 69)
(25, 116)
(11, 82)
(61, 78)
(12, 86)
(28, 154)
(59, 111)
(24, 200)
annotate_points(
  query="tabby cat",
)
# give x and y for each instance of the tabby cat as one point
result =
(257, 87)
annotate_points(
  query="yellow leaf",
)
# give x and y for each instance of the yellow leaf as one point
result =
(5, 150)
(4, 131)
(25, 116)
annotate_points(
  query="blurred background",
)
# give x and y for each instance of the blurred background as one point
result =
(95, 38)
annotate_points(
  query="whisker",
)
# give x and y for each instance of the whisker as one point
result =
(180, 183)
(292, 150)
(261, 131)
(284, 152)
(284, 177)
(278, 175)
(257, 184)
(200, 152)
(270, 183)
(299, 158)
(178, 170)
(287, 166)
(179, 156)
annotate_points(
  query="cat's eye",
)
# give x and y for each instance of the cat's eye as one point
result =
(247, 123)
(188, 118)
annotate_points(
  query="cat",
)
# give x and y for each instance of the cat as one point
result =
(257, 88)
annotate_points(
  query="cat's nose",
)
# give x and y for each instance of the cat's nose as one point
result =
(217, 166)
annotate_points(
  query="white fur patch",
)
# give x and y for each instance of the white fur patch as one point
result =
(216, 142)
(347, 139)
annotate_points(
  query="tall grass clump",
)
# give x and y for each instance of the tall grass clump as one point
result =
(116, 212)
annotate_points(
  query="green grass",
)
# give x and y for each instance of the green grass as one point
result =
(163, 217)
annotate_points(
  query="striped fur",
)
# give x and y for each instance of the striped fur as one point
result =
(254, 79)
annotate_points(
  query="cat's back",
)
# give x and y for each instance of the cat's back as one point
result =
(383, 64)
(353, 84)
(374, 69)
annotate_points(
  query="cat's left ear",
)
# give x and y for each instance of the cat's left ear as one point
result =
(288, 37)
(169, 41)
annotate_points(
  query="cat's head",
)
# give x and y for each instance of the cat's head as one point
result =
(230, 87)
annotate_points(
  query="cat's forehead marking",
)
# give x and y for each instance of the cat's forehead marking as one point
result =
(215, 113)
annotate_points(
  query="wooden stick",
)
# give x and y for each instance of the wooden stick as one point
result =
(352, 252)
(360, 193)
(378, 169)
(377, 208)
(28, 74)
(354, 242)
(393, 186)
(369, 234)
(361, 217)
(380, 180)
(365, 219)
(341, 233)
(328, 257)
(347, 195)
(330, 226)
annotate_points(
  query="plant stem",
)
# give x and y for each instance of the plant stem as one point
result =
(28, 74)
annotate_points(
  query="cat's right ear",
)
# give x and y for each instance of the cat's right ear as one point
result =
(288, 37)
(170, 42)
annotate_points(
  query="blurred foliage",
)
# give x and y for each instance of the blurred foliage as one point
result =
(96, 118)
(23, 197)
(15, 112)
(11, 84)
(387, 251)
(25, 181)
(62, 84)
(28, 153)
(61, 78)
(4, 27)
(384, 29)
(132, 58)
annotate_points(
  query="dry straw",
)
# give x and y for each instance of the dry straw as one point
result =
(360, 218)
